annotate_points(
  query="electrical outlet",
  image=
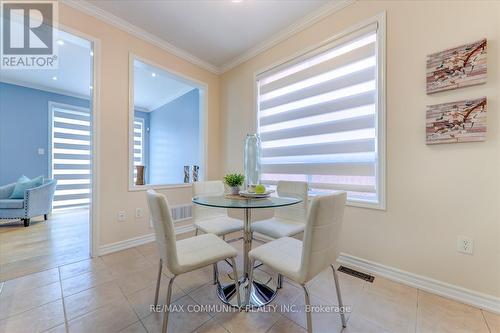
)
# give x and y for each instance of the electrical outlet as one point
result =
(122, 216)
(138, 213)
(465, 245)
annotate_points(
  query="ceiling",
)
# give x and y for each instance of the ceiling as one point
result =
(217, 33)
(68, 78)
(154, 87)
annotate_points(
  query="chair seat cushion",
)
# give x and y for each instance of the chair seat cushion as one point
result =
(282, 255)
(278, 227)
(219, 225)
(203, 250)
(11, 203)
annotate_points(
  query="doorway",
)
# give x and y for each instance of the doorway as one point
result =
(47, 129)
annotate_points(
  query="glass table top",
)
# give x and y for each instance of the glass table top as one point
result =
(223, 202)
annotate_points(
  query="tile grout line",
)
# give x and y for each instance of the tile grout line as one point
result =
(416, 311)
(62, 300)
(485, 321)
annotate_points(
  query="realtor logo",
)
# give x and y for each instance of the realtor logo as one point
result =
(28, 30)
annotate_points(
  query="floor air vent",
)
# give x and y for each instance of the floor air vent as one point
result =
(357, 274)
(183, 212)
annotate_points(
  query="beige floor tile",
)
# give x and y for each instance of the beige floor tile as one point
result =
(248, 322)
(131, 283)
(211, 326)
(142, 300)
(58, 329)
(195, 279)
(137, 327)
(35, 320)
(322, 321)
(121, 256)
(393, 314)
(358, 324)
(27, 300)
(180, 321)
(323, 286)
(111, 317)
(76, 284)
(438, 314)
(86, 301)
(126, 267)
(207, 295)
(287, 295)
(30, 281)
(493, 321)
(393, 291)
(285, 325)
(81, 267)
(148, 249)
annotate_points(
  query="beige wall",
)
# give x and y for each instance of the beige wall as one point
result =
(435, 193)
(113, 123)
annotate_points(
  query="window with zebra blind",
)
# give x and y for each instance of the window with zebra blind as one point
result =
(70, 155)
(321, 117)
(138, 144)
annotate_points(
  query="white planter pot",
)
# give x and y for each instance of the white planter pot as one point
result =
(234, 190)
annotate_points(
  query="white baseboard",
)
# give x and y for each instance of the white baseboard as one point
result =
(136, 241)
(467, 296)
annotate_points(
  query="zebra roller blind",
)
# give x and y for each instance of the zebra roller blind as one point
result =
(317, 118)
(138, 144)
(71, 161)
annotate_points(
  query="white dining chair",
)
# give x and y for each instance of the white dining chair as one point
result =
(185, 255)
(301, 261)
(211, 220)
(290, 220)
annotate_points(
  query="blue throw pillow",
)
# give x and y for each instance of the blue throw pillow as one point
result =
(24, 183)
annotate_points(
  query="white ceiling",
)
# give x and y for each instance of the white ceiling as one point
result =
(216, 32)
(72, 77)
(154, 87)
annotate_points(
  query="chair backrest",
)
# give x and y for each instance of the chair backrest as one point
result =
(294, 190)
(322, 232)
(164, 229)
(208, 188)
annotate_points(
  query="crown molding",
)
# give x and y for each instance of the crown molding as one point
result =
(107, 17)
(44, 88)
(302, 24)
(317, 15)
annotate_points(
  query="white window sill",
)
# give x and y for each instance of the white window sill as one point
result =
(140, 188)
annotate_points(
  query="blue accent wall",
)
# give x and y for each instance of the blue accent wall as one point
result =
(174, 139)
(24, 127)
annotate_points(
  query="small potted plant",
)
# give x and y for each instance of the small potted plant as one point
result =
(234, 181)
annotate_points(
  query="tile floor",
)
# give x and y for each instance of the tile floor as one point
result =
(112, 294)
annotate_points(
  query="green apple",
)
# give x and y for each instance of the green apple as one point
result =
(260, 189)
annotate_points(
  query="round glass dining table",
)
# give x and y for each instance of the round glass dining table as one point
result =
(264, 287)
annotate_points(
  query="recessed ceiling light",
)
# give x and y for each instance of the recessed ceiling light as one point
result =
(153, 74)
(60, 42)
(54, 78)
(236, 1)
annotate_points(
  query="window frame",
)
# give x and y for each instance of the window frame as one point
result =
(203, 125)
(380, 104)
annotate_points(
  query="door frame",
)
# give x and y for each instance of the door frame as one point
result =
(95, 138)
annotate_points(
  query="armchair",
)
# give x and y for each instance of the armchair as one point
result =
(37, 201)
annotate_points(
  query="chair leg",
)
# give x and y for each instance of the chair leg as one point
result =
(280, 281)
(339, 297)
(196, 232)
(158, 280)
(236, 281)
(224, 237)
(26, 222)
(308, 312)
(45, 217)
(216, 273)
(167, 305)
(250, 281)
